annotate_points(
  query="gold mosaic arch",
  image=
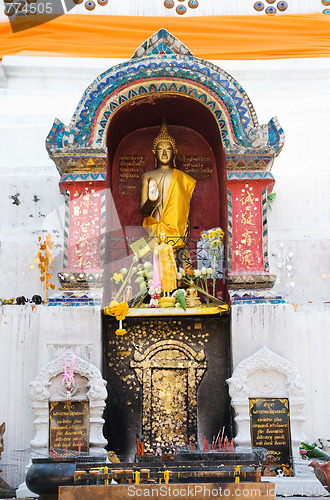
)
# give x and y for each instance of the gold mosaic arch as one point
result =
(119, 99)
(169, 373)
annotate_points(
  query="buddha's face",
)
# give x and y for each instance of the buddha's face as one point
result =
(162, 237)
(164, 153)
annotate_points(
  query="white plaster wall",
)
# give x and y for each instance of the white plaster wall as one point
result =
(302, 337)
(33, 91)
(19, 345)
(297, 91)
(30, 337)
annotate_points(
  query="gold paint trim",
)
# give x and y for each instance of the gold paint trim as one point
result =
(251, 281)
(189, 86)
(168, 311)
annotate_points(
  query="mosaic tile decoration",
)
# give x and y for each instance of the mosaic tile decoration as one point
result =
(75, 299)
(81, 160)
(74, 303)
(66, 227)
(179, 73)
(95, 109)
(256, 300)
(163, 64)
(249, 175)
(229, 128)
(265, 228)
(161, 43)
(230, 228)
(103, 229)
(80, 281)
(83, 177)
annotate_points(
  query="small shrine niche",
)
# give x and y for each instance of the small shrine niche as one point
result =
(199, 154)
(68, 421)
(220, 143)
(196, 156)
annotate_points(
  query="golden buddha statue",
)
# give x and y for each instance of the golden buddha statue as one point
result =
(166, 191)
(192, 299)
(167, 270)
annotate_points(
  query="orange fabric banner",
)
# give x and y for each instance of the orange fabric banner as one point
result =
(216, 37)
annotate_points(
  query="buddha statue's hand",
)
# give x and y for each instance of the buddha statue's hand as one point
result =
(153, 191)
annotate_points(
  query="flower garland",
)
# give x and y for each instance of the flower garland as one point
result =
(68, 376)
(119, 310)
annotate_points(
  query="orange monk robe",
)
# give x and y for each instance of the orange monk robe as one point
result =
(167, 268)
(175, 211)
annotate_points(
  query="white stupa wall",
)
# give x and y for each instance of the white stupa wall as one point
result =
(203, 8)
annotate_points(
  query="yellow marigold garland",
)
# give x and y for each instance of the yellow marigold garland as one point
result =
(119, 310)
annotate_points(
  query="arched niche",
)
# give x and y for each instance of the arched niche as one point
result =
(169, 372)
(265, 374)
(163, 79)
(130, 136)
(132, 131)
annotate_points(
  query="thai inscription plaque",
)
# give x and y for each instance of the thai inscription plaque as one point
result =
(69, 425)
(270, 428)
(131, 167)
(199, 167)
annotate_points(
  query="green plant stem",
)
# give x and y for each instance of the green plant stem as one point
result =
(129, 275)
(207, 295)
(201, 283)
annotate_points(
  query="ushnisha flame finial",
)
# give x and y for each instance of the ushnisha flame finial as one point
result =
(164, 136)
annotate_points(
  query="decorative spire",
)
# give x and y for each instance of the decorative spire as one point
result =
(164, 136)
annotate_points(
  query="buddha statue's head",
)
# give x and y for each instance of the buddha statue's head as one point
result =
(164, 148)
(162, 237)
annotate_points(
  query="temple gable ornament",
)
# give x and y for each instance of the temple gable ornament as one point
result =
(162, 69)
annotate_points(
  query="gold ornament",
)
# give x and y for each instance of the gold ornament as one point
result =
(164, 136)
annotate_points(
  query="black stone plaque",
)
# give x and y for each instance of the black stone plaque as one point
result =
(69, 425)
(270, 428)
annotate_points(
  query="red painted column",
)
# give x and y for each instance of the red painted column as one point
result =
(84, 227)
(247, 222)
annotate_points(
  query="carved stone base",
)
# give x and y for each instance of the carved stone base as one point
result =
(154, 372)
(24, 492)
